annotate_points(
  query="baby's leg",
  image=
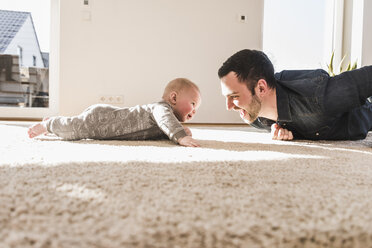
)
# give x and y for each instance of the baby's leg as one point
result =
(87, 125)
(37, 129)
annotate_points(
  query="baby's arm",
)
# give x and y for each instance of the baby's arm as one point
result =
(188, 131)
(169, 124)
(188, 141)
(38, 129)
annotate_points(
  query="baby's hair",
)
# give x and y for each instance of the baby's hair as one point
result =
(178, 85)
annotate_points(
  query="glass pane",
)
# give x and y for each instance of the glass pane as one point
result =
(297, 33)
(24, 53)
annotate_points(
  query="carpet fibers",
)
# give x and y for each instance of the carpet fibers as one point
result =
(240, 189)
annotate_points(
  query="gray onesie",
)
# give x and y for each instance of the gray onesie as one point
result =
(102, 121)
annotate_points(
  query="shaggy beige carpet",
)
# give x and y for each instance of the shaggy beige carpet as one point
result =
(240, 189)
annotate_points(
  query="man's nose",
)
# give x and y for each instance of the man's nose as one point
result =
(229, 104)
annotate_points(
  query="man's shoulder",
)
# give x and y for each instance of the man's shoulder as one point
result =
(302, 82)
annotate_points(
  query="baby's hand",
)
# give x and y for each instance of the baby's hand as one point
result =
(188, 131)
(278, 133)
(188, 141)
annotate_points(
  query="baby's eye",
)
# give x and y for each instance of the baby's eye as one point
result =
(193, 104)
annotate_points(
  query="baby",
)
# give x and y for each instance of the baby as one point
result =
(181, 99)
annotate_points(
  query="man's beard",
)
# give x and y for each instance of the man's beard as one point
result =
(251, 114)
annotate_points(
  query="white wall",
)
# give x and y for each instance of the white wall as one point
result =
(134, 47)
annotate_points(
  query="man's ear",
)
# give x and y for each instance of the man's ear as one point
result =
(261, 88)
(173, 97)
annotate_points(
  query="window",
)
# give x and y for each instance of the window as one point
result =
(301, 34)
(32, 50)
(20, 54)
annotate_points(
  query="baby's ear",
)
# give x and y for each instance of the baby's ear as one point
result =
(173, 97)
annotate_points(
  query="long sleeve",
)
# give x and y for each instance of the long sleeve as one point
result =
(348, 90)
(263, 123)
(168, 122)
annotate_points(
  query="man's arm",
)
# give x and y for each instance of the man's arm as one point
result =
(279, 133)
(348, 90)
(262, 123)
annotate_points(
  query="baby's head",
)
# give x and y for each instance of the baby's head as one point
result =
(184, 97)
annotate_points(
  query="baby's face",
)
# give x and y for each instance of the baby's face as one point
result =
(188, 102)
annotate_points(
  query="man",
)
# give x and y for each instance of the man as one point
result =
(303, 104)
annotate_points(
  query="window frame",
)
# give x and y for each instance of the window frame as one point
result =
(14, 113)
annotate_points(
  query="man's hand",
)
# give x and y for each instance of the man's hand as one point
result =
(188, 131)
(188, 141)
(278, 133)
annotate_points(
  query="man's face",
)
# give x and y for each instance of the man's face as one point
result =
(239, 98)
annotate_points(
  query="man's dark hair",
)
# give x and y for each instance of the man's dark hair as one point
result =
(249, 66)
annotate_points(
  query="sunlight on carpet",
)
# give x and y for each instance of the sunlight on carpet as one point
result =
(52, 151)
(239, 189)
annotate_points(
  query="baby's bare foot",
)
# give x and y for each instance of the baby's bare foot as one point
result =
(37, 129)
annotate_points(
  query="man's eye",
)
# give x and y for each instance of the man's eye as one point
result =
(234, 97)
